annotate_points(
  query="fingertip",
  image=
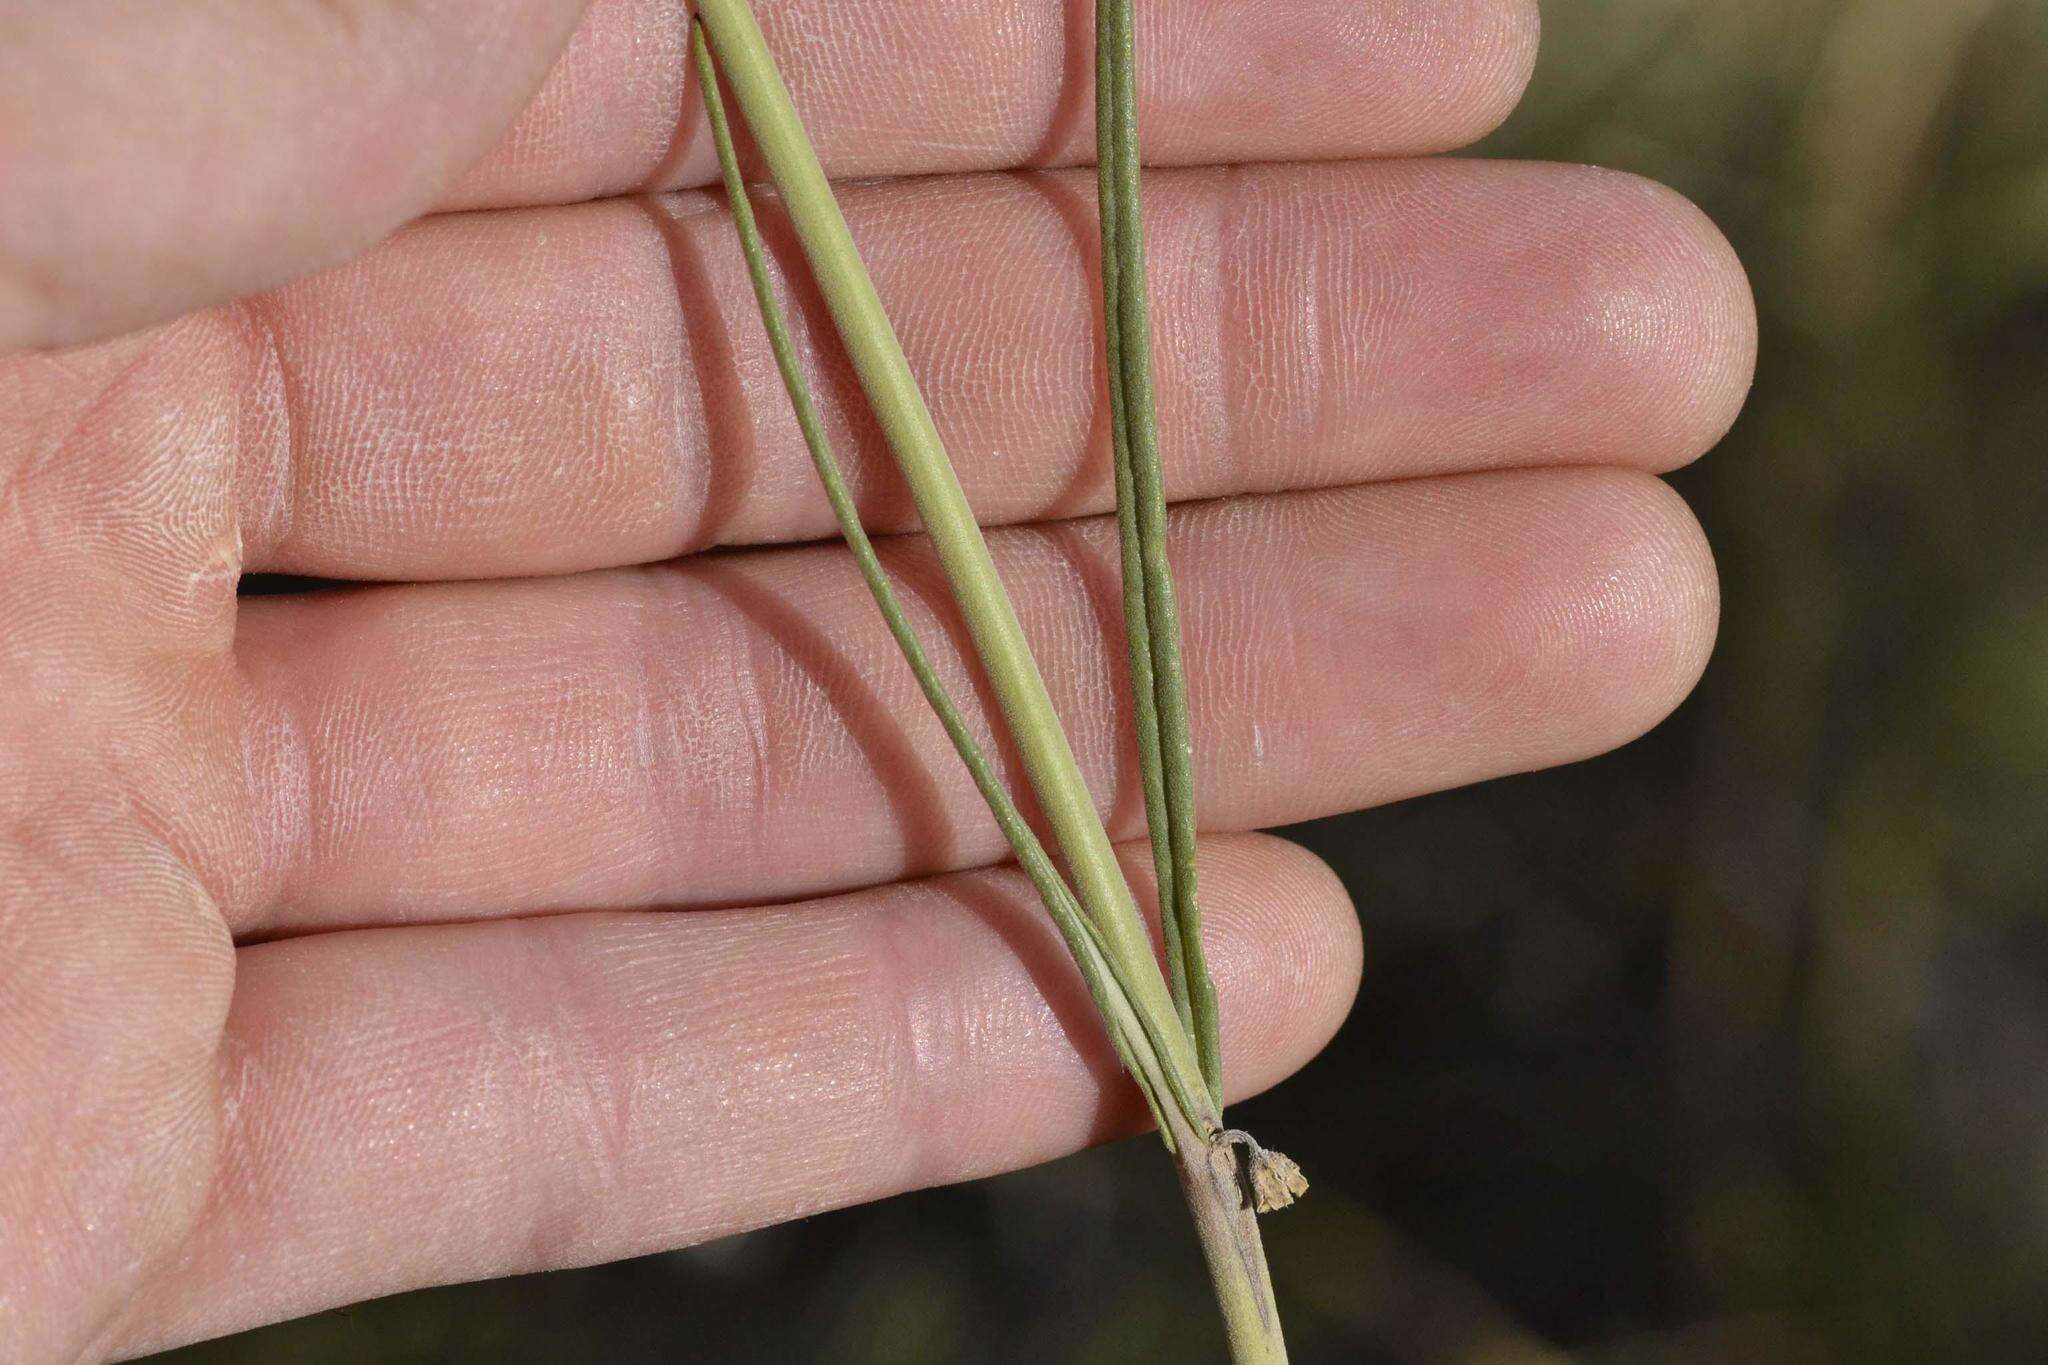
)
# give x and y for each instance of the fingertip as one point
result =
(1666, 316)
(1423, 76)
(1723, 331)
(1671, 565)
(1500, 64)
(1619, 613)
(1287, 955)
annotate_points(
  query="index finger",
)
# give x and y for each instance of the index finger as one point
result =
(907, 87)
(157, 159)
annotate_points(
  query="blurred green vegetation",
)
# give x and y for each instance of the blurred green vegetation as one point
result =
(1729, 1046)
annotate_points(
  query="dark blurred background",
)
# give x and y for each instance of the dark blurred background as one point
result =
(1731, 1046)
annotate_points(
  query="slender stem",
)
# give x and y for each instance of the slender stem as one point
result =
(900, 410)
(1151, 614)
(1212, 1181)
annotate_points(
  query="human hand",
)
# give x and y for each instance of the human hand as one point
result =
(340, 944)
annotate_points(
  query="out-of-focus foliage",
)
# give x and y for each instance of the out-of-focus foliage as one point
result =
(1731, 1046)
(1852, 995)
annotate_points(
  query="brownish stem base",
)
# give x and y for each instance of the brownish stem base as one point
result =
(1212, 1181)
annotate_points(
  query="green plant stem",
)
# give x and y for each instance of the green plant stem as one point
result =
(1151, 614)
(1213, 1182)
(899, 409)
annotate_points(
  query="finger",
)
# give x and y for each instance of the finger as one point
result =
(317, 127)
(424, 1105)
(893, 87)
(505, 394)
(739, 728)
(156, 157)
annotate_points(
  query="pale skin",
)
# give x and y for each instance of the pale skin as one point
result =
(572, 892)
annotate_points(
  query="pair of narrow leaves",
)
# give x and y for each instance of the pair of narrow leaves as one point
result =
(1155, 1051)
